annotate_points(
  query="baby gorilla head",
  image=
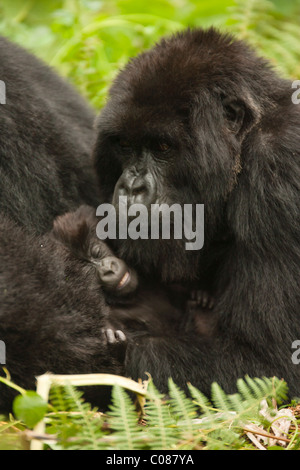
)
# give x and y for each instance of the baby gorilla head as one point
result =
(77, 230)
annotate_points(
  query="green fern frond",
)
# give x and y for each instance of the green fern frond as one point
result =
(201, 400)
(90, 434)
(123, 419)
(161, 424)
(72, 417)
(182, 407)
(224, 424)
(220, 398)
(236, 402)
(177, 422)
(60, 401)
(224, 438)
(252, 389)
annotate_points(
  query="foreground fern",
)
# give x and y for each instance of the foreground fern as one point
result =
(72, 421)
(161, 429)
(179, 422)
(123, 421)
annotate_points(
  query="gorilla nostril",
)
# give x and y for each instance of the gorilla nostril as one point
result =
(114, 266)
(108, 266)
(123, 190)
(137, 188)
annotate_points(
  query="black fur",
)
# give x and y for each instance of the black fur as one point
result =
(53, 315)
(137, 307)
(233, 138)
(46, 135)
(51, 307)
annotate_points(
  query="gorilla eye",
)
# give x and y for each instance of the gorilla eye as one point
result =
(96, 251)
(163, 146)
(235, 114)
(125, 144)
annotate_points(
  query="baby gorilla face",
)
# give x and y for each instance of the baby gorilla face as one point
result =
(115, 276)
(77, 231)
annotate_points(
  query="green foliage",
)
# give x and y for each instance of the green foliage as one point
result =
(88, 41)
(171, 423)
(73, 420)
(272, 27)
(123, 421)
(29, 408)
(161, 430)
(226, 415)
(177, 423)
(10, 434)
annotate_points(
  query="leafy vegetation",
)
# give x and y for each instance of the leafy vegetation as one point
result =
(88, 41)
(175, 423)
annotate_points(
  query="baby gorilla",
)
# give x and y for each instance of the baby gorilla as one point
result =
(137, 307)
(51, 302)
(151, 310)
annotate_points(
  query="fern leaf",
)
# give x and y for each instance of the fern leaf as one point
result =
(161, 429)
(220, 398)
(201, 400)
(123, 419)
(182, 406)
(73, 420)
(236, 402)
(89, 436)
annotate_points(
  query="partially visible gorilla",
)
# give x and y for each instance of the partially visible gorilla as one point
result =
(201, 119)
(46, 137)
(53, 315)
(47, 134)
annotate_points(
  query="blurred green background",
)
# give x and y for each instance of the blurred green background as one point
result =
(89, 40)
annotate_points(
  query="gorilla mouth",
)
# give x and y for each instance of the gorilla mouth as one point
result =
(124, 281)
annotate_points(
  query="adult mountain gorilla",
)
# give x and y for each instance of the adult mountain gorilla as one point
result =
(201, 119)
(46, 134)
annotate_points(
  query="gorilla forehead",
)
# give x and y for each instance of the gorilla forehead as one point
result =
(141, 122)
(170, 75)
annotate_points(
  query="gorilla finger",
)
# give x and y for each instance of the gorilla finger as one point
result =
(120, 335)
(110, 336)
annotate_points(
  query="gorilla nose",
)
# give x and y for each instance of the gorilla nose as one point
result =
(110, 266)
(138, 189)
(111, 270)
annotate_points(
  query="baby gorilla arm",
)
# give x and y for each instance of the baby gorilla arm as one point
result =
(116, 343)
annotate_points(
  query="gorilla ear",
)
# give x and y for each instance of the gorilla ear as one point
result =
(241, 115)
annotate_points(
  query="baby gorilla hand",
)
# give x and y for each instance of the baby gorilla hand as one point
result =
(200, 298)
(116, 344)
(199, 317)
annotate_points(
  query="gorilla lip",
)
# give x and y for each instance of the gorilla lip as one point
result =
(125, 279)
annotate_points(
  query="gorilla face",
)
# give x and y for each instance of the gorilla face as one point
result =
(172, 132)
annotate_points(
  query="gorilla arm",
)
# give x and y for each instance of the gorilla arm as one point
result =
(241, 344)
